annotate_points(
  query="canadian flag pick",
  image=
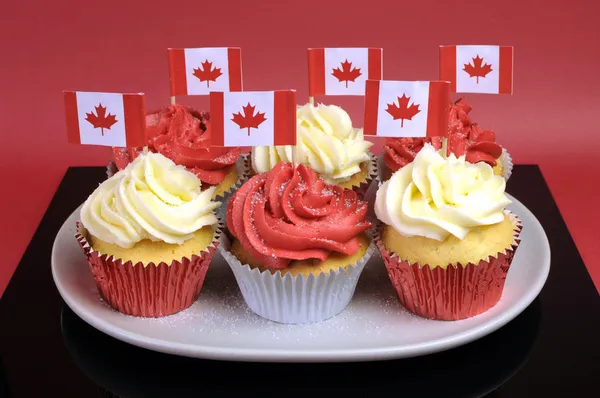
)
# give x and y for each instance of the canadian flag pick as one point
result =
(478, 69)
(107, 119)
(342, 71)
(406, 109)
(198, 71)
(253, 118)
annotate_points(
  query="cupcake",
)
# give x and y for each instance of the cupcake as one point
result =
(329, 144)
(446, 239)
(297, 245)
(149, 234)
(464, 138)
(182, 134)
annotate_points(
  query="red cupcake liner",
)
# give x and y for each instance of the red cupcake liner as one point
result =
(151, 290)
(457, 292)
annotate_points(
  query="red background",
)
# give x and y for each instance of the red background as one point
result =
(107, 46)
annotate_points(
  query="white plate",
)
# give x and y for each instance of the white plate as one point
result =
(373, 327)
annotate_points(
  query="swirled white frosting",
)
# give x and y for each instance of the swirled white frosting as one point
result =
(326, 141)
(152, 198)
(436, 196)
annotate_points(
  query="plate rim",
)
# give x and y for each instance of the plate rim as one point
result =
(245, 354)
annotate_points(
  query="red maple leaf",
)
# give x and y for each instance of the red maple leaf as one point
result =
(347, 73)
(207, 73)
(249, 119)
(477, 69)
(402, 111)
(101, 120)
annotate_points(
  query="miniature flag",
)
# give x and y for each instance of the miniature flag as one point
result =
(253, 118)
(107, 119)
(406, 109)
(342, 71)
(477, 69)
(198, 71)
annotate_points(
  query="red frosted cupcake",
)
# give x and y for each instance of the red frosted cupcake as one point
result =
(464, 138)
(298, 244)
(182, 134)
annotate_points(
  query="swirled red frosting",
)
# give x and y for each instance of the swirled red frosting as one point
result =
(458, 116)
(478, 145)
(182, 134)
(291, 214)
(464, 138)
(398, 152)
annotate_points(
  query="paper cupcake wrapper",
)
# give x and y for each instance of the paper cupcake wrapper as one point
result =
(242, 165)
(111, 169)
(296, 299)
(457, 292)
(507, 164)
(372, 172)
(148, 290)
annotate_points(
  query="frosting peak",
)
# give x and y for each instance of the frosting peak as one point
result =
(435, 197)
(183, 135)
(291, 214)
(150, 199)
(327, 142)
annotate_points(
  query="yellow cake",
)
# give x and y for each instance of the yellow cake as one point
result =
(358, 178)
(498, 169)
(334, 262)
(480, 243)
(230, 179)
(147, 251)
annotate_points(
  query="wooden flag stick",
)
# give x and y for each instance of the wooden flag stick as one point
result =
(311, 100)
(294, 156)
(172, 100)
(444, 147)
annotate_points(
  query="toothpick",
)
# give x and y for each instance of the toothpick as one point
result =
(444, 147)
(145, 149)
(311, 100)
(172, 100)
(294, 156)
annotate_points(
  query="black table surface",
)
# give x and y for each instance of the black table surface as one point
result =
(550, 350)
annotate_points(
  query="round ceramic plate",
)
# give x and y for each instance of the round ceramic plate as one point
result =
(375, 326)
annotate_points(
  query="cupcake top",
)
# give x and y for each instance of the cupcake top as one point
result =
(476, 144)
(398, 152)
(290, 214)
(436, 197)
(458, 116)
(464, 138)
(327, 142)
(183, 135)
(152, 198)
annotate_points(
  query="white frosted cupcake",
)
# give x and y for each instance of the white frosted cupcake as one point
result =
(446, 239)
(149, 234)
(328, 143)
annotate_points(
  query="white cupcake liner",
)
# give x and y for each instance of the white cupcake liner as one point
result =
(243, 174)
(296, 299)
(111, 169)
(372, 172)
(507, 164)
